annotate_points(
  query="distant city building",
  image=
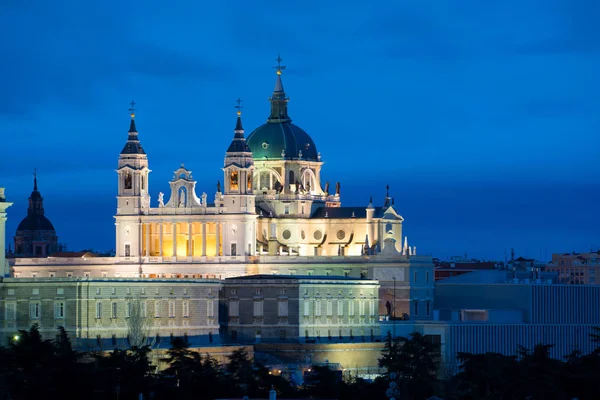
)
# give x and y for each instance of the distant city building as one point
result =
(576, 268)
(306, 309)
(35, 236)
(448, 269)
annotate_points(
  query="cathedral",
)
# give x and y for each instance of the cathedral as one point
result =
(271, 214)
(272, 202)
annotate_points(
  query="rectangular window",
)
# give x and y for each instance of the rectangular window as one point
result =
(233, 249)
(113, 310)
(99, 310)
(415, 277)
(59, 309)
(258, 308)
(428, 308)
(144, 310)
(416, 308)
(128, 308)
(317, 308)
(127, 250)
(426, 276)
(234, 308)
(185, 305)
(283, 309)
(340, 308)
(10, 313)
(372, 308)
(351, 307)
(361, 308)
(233, 292)
(286, 209)
(156, 308)
(34, 310)
(171, 308)
(329, 308)
(307, 308)
(210, 308)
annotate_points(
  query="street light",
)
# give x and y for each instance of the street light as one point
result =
(16, 338)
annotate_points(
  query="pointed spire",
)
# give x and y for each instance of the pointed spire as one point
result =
(238, 144)
(238, 125)
(133, 145)
(132, 128)
(35, 189)
(278, 99)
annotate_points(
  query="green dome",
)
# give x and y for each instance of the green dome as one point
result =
(270, 139)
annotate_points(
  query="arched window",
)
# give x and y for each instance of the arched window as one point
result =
(388, 228)
(291, 180)
(127, 180)
(233, 181)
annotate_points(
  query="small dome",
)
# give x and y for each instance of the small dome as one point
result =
(35, 222)
(270, 139)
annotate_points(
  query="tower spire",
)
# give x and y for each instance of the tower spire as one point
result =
(238, 125)
(238, 144)
(132, 128)
(133, 145)
(35, 189)
(278, 99)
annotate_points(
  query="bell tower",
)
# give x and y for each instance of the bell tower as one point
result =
(132, 194)
(239, 236)
(237, 170)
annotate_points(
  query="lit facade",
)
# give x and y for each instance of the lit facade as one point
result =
(95, 312)
(306, 309)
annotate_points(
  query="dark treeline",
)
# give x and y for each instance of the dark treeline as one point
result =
(34, 368)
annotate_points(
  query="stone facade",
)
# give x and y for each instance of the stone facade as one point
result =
(266, 308)
(95, 312)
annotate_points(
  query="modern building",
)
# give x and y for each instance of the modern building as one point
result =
(305, 309)
(98, 313)
(35, 236)
(576, 268)
(492, 311)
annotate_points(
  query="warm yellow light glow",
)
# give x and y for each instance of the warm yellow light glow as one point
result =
(16, 338)
(239, 113)
(278, 72)
(132, 115)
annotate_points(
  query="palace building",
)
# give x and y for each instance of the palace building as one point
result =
(272, 214)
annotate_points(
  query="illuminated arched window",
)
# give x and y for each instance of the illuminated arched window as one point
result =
(233, 180)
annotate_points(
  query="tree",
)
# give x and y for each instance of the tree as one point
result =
(487, 376)
(415, 360)
(138, 325)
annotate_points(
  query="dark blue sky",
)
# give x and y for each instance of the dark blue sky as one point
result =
(482, 116)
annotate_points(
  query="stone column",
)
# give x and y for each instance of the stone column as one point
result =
(190, 247)
(147, 240)
(3, 206)
(203, 239)
(174, 224)
(160, 239)
(218, 240)
(118, 248)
